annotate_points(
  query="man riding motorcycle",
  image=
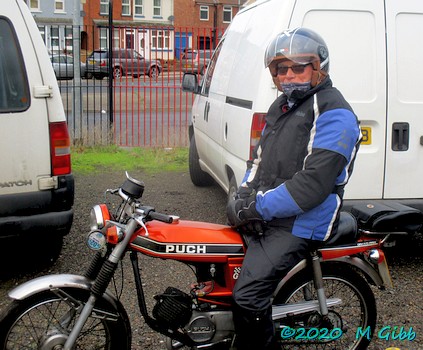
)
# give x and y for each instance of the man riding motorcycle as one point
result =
(293, 186)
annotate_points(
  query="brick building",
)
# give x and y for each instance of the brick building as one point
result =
(202, 22)
(157, 28)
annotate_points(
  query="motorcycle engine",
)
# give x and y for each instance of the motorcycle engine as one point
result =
(210, 326)
(173, 308)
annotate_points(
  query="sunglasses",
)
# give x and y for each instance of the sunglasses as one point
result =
(296, 69)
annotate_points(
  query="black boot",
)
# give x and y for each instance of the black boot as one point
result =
(254, 329)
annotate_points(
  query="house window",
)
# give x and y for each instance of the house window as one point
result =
(59, 6)
(42, 30)
(160, 39)
(54, 39)
(104, 42)
(227, 14)
(104, 7)
(126, 8)
(69, 38)
(34, 5)
(204, 13)
(157, 8)
(138, 8)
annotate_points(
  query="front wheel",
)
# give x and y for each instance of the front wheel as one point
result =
(117, 73)
(44, 321)
(354, 317)
(198, 176)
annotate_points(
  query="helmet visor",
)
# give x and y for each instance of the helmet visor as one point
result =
(290, 60)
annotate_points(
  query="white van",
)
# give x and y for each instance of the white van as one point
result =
(36, 183)
(375, 55)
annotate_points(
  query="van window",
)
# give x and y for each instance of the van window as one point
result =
(14, 90)
(209, 73)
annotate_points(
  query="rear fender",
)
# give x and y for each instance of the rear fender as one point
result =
(371, 275)
(46, 283)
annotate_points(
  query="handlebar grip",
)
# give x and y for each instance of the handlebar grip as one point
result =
(161, 217)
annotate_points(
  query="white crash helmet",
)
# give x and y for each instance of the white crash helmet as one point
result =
(302, 46)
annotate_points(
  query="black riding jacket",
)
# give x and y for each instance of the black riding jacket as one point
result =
(303, 160)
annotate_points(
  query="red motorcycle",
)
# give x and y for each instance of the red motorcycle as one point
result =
(324, 302)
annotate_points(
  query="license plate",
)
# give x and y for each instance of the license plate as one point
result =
(366, 131)
(384, 273)
(92, 62)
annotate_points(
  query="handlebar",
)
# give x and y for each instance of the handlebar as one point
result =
(151, 214)
(160, 217)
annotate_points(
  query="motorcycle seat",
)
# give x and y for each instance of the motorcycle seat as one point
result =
(347, 231)
(388, 216)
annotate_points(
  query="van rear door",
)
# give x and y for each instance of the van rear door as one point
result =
(24, 132)
(404, 147)
(355, 34)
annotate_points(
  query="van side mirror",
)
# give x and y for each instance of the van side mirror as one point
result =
(190, 83)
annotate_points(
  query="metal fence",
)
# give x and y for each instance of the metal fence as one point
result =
(133, 110)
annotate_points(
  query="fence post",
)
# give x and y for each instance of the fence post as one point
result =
(76, 33)
(111, 64)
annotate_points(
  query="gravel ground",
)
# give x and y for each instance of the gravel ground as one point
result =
(173, 193)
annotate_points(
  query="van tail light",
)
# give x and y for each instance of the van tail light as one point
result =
(60, 148)
(259, 120)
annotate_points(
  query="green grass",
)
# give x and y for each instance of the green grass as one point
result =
(151, 160)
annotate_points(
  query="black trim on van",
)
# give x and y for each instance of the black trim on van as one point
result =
(239, 102)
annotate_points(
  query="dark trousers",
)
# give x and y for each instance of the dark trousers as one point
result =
(268, 259)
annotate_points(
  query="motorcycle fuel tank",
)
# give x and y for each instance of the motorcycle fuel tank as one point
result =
(189, 241)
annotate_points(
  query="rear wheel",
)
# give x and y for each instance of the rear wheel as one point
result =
(44, 321)
(198, 176)
(356, 311)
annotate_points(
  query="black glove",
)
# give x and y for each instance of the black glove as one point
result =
(244, 192)
(242, 214)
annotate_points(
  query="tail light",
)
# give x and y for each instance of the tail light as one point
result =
(103, 63)
(60, 148)
(259, 120)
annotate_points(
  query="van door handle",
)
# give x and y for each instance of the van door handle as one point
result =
(400, 137)
(206, 111)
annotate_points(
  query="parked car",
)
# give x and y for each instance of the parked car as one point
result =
(125, 62)
(195, 61)
(36, 182)
(63, 66)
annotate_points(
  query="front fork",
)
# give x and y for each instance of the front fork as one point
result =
(100, 284)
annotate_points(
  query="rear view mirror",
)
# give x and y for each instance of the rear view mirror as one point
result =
(190, 83)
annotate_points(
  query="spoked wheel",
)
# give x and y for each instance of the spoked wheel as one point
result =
(356, 311)
(44, 321)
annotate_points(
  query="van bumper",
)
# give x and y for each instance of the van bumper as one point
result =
(40, 224)
(40, 212)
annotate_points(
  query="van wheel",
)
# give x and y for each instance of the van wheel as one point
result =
(198, 176)
(233, 188)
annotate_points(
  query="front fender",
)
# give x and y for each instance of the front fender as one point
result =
(45, 283)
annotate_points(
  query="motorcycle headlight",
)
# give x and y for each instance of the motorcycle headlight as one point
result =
(98, 216)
